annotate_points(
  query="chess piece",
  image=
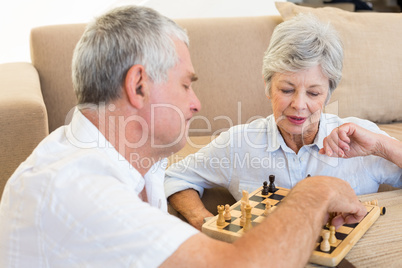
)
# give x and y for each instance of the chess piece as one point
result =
(227, 215)
(245, 196)
(243, 203)
(375, 203)
(221, 219)
(247, 224)
(243, 213)
(325, 246)
(264, 188)
(267, 208)
(382, 210)
(332, 215)
(271, 187)
(332, 237)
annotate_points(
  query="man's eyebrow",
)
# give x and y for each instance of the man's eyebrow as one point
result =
(193, 77)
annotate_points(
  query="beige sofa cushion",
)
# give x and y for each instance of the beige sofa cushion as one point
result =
(51, 53)
(371, 85)
(227, 56)
(22, 116)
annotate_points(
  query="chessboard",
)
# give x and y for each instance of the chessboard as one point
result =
(347, 235)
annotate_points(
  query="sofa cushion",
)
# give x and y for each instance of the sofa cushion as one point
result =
(227, 57)
(371, 86)
(394, 130)
(51, 53)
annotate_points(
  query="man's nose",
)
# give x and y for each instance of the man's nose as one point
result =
(195, 104)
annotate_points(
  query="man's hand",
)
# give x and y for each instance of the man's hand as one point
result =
(336, 193)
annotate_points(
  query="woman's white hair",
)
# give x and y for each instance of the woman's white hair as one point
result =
(301, 43)
(119, 39)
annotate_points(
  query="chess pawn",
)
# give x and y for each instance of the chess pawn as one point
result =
(332, 215)
(264, 188)
(227, 215)
(268, 208)
(332, 237)
(247, 224)
(221, 219)
(325, 246)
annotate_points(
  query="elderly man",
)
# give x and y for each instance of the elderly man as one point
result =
(91, 194)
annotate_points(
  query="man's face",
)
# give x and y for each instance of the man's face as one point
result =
(173, 104)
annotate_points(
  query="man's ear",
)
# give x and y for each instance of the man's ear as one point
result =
(135, 85)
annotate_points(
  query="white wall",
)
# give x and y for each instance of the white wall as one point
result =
(18, 17)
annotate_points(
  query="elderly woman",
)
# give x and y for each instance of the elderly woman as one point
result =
(301, 69)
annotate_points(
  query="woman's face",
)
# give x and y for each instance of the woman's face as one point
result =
(298, 99)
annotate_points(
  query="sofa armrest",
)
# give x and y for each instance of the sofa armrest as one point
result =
(23, 117)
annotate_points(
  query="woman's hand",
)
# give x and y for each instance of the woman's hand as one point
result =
(350, 140)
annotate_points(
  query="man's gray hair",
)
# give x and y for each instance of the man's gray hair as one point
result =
(301, 43)
(117, 40)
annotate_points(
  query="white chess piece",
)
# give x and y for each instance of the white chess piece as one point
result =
(227, 215)
(332, 237)
(325, 246)
(268, 208)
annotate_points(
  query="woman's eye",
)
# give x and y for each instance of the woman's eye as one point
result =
(287, 91)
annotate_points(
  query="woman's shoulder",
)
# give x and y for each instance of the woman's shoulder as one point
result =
(367, 124)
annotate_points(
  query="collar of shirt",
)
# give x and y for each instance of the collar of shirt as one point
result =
(83, 134)
(275, 140)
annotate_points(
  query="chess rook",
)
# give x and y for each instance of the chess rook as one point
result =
(271, 187)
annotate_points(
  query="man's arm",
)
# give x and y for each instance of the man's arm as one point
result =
(350, 140)
(287, 237)
(189, 204)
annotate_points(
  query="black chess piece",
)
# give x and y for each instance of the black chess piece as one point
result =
(271, 187)
(265, 188)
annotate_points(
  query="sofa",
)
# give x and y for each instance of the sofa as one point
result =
(36, 97)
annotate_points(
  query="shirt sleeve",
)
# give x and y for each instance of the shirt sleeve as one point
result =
(209, 167)
(91, 221)
(380, 169)
(112, 227)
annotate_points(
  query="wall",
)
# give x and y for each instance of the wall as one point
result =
(17, 17)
